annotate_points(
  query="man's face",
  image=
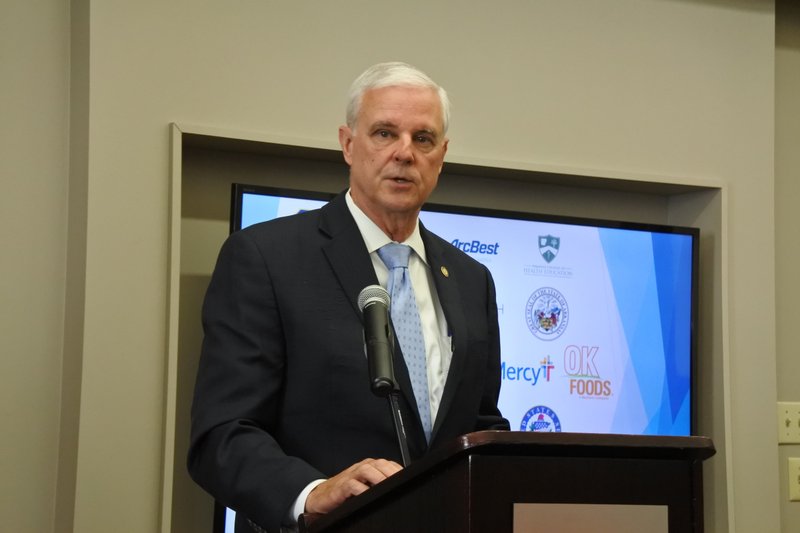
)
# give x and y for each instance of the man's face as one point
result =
(395, 151)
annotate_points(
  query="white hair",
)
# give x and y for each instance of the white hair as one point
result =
(392, 74)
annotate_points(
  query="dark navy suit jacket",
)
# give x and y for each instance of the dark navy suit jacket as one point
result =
(282, 394)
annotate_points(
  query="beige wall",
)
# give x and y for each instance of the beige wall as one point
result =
(787, 245)
(33, 213)
(681, 88)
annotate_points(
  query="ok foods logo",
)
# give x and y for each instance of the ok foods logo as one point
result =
(547, 314)
(585, 380)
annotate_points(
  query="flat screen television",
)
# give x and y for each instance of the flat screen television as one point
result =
(597, 317)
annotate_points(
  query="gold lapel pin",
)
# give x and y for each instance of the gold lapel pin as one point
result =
(445, 273)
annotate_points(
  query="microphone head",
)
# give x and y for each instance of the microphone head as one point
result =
(372, 294)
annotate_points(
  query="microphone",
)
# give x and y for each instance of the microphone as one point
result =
(373, 301)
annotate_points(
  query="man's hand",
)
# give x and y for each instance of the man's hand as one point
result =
(331, 493)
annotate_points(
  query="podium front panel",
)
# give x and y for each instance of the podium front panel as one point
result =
(497, 483)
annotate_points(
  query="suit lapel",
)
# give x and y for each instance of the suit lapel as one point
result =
(345, 251)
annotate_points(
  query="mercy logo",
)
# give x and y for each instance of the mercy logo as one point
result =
(548, 247)
(476, 247)
(528, 373)
(547, 366)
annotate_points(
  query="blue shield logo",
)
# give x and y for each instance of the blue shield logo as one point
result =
(548, 247)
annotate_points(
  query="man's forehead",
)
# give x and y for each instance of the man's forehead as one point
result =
(396, 105)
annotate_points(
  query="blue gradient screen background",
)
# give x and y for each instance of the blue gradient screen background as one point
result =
(596, 322)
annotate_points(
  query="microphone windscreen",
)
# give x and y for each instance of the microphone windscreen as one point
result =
(372, 294)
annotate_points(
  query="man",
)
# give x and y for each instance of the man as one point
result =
(283, 419)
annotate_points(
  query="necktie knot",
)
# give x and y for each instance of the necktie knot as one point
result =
(394, 255)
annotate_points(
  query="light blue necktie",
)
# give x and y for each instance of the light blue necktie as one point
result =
(405, 317)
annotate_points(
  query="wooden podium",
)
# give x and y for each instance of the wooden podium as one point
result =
(483, 481)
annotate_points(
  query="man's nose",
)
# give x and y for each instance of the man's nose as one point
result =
(404, 153)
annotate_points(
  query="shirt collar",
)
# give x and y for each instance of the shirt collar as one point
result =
(374, 237)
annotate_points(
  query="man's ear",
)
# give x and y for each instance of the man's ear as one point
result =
(346, 142)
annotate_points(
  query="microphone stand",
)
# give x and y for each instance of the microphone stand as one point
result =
(399, 427)
(382, 384)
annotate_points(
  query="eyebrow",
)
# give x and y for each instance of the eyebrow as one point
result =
(429, 132)
(389, 124)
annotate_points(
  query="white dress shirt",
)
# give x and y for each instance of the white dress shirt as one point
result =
(434, 326)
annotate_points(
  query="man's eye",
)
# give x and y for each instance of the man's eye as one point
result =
(423, 139)
(383, 133)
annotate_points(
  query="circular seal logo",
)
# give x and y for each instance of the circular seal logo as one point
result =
(540, 418)
(547, 314)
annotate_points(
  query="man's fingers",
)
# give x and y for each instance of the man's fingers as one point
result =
(373, 471)
(350, 482)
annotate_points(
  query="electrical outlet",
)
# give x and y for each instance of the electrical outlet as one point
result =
(789, 422)
(794, 479)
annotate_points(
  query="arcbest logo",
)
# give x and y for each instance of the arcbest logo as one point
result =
(547, 314)
(542, 419)
(476, 247)
(548, 247)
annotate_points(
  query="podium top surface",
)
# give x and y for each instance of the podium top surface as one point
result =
(578, 445)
